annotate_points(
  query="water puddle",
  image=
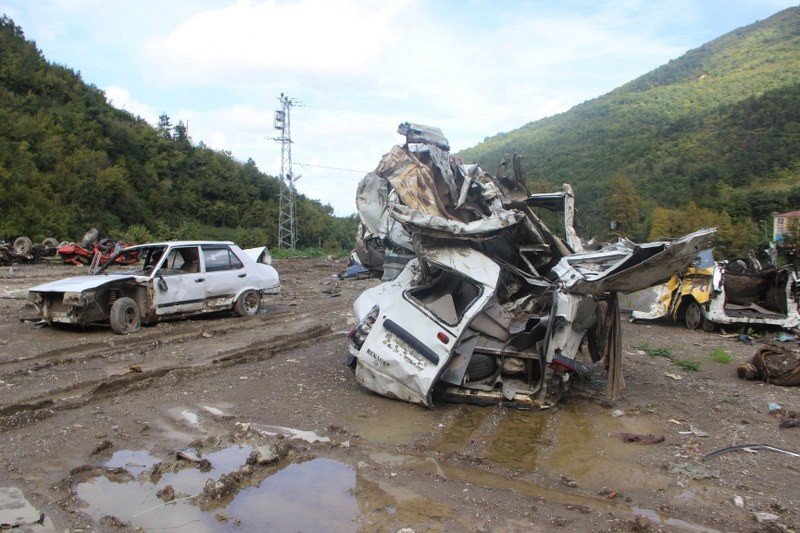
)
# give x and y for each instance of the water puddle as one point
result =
(590, 451)
(460, 433)
(683, 525)
(300, 496)
(517, 440)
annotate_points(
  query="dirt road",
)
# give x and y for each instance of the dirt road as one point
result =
(274, 433)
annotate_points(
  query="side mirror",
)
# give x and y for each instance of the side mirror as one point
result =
(162, 285)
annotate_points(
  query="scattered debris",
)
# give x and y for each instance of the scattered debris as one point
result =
(738, 501)
(764, 518)
(774, 364)
(692, 471)
(749, 448)
(17, 513)
(675, 377)
(167, 494)
(103, 446)
(616, 413)
(747, 339)
(642, 439)
(694, 431)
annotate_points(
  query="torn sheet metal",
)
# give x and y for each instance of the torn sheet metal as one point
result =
(495, 305)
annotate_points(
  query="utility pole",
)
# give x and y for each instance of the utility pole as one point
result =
(287, 217)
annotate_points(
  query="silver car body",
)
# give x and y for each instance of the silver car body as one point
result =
(169, 279)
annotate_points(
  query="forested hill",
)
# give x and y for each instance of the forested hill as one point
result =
(70, 161)
(712, 137)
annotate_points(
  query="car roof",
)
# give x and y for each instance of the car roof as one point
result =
(183, 243)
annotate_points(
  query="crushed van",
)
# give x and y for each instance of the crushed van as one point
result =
(490, 305)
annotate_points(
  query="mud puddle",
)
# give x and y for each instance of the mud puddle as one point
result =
(298, 496)
(579, 445)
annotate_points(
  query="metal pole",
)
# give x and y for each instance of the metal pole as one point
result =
(287, 217)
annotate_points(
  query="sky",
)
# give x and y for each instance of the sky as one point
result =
(356, 69)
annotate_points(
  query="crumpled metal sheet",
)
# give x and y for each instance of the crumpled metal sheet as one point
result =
(491, 231)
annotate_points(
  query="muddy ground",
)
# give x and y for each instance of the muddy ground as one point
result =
(275, 434)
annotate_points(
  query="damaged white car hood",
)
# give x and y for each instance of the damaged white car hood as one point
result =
(80, 283)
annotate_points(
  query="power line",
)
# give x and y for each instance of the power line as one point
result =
(332, 168)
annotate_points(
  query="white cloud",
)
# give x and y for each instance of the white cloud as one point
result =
(251, 40)
(121, 98)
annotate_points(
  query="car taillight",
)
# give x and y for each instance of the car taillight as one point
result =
(361, 330)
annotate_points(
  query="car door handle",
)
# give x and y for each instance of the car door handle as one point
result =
(199, 280)
(243, 275)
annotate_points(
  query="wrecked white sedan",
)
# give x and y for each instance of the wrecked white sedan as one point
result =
(493, 307)
(165, 280)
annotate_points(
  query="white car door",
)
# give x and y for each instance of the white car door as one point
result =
(225, 274)
(179, 282)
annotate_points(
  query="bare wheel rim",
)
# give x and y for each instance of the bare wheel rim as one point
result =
(694, 316)
(251, 301)
(129, 318)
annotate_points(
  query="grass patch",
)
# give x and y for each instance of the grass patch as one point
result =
(655, 352)
(721, 356)
(689, 365)
(283, 253)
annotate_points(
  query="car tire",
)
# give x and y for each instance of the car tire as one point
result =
(125, 316)
(49, 242)
(23, 245)
(693, 316)
(90, 236)
(480, 367)
(248, 303)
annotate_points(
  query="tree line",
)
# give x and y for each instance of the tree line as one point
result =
(70, 161)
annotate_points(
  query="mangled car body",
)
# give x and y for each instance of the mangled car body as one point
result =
(492, 307)
(166, 280)
(710, 293)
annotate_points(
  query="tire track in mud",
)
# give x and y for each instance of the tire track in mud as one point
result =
(141, 339)
(269, 333)
(145, 341)
(79, 394)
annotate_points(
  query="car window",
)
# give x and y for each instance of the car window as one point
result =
(220, 258)
(181, 260)
(446, 294)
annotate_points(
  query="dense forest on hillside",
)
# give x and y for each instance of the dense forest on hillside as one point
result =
(710, 138)
(70, 161)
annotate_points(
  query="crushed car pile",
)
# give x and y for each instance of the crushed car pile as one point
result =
(488, 304)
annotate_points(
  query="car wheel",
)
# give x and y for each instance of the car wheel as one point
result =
(694, 316)
(248, 303)
(49, 242)
(125, 317)
(480, 366)
(23, 245)
(90, 236)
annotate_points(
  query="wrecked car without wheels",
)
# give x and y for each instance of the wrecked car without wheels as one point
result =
(492, 307)
(167, 280)
(710, 293)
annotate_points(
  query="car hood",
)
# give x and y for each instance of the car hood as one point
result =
(79, 283)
